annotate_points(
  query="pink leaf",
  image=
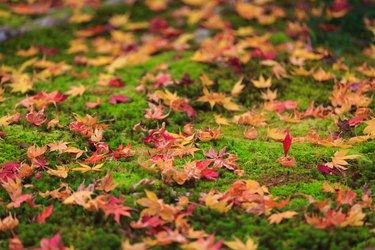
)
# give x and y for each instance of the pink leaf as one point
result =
(115, 99)
(287, 142)
(46, 213)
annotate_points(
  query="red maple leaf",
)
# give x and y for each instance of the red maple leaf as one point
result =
(45, 214)
(326, 170)
(36, 118)
(287, 142)
(116, 82)
(113, 205)
(95, 158)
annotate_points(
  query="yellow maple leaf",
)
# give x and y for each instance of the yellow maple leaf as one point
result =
(79, 17)
(237, 88)
(322, 75)
(339, 160)
(215, 202)
(21, 83)
(237, 244)
(276, 134)
(86, 168)
(278, 217)
(355, 217)
(211, 98)
(306, 54)
(370, 129)
(206, 81)
(221, 120)
(269, 95)
(119, 20)
(156, 5)
(76, 90)
(28, 52)
(5, 120)
(262, 82)
(61, 171)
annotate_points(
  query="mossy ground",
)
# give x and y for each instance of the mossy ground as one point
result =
(86, 230)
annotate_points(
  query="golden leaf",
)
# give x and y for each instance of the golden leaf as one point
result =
(262, 82)
(76, 90)
(237, 244)
(237, 88)
(221, 120)
(61, 171)
(215, 202)
(278, 217)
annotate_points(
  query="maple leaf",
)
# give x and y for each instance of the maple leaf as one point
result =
(202, 243)
(28, 52)
(9, 171)
(155, 112)
(95, 158)
(326, 170)
(8, 223)
(15, 244)
(36, 155)
(156, 206)
(78, 152)
(237, 88)
(206, 81)
(346, 197)
(183, 150)
(339, 160)
(115, 99)
(211, 98)
(262, 82)
(79, 17)
(81, 198)
(36, 118)
(355, 217)
(287, 142)
(113, 205)
(76, 91)
(217, 202)
(237, 244)
(250, 133)
(322, 75)
(137, 246)
(278, 217)
(116, 82)
(222, 158)
(86, 168)
(60, 146)
(14, 189)
(221, 120)
(123, 152)
(97, 136)
(61, 171)
(21, 83)
(106, 183)
(45, 214)
(208, 134)
(92, 105)
(54, 243)
(370, 129)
